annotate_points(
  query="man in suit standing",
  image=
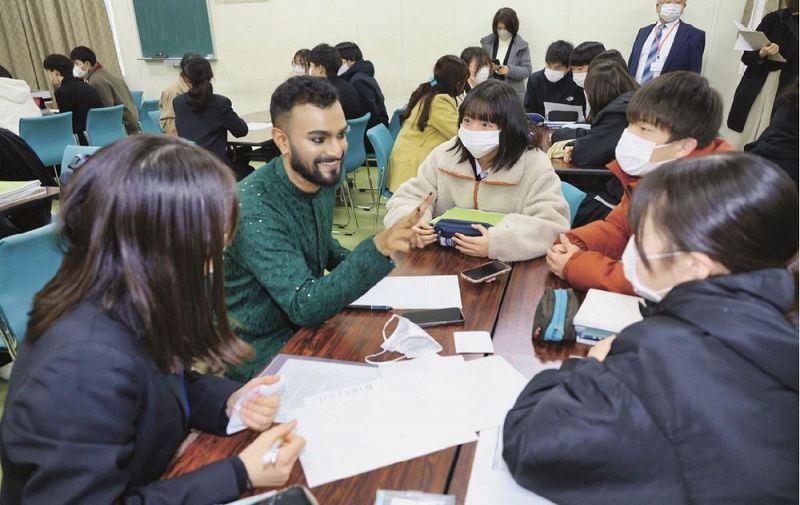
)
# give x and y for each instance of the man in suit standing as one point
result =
(668, 45)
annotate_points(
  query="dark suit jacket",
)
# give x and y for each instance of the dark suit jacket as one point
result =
(90, 419)
(209, 127)
(686, 53)
(77, 96)
(348, 98)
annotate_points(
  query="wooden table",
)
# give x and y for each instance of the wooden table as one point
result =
(505, 308)
(254, 138)
(50, 193)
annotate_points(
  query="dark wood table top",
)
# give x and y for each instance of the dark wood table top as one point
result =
(352, 335)
(17, 205)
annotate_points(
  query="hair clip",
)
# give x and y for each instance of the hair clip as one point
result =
(433, 81)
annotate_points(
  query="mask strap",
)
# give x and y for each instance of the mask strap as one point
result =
(384, 351)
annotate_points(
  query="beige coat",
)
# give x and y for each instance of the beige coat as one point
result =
(529, 193)
(178, 87)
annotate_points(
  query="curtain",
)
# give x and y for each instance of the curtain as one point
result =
(32, 29)
(755, 10)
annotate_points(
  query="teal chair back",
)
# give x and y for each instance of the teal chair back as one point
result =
(138, 96)
(382, 142)
(151, 122)
(574, 197)
(147, 106)
(356, 154)
(394, 123)
(69, 153)
(104, 125)
(48, 136)
(28, 261)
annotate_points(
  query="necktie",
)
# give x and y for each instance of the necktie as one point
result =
(652, 54)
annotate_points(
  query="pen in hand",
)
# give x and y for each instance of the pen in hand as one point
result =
(271, 457)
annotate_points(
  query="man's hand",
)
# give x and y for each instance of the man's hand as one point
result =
(560, 254)
(402, 236)
(425, 233)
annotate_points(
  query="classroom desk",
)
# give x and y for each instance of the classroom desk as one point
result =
(255, 138)
(17, 205)
(352, 335)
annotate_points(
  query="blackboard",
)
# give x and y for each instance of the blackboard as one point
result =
(173, 27)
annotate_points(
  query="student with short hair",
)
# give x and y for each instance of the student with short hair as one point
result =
(324, 61)
(179, 87)
(102, 393)
(674, 116)
(111, 88)
(581, 56)
(492, 165)
(698, 402)
(360, 73)
(15, 102)
(553, 83)
(275, 269)
(509, 50)
(204, 117)
(429, 119)
(479, 65)
(72, 94)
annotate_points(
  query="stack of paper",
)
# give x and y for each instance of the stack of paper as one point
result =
(603, 314)
(414, 292)
(11, 191)
(414, 408)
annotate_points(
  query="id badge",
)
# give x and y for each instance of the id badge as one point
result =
(657, 66)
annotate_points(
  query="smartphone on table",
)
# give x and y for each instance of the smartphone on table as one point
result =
(435, 317)
(485, 272)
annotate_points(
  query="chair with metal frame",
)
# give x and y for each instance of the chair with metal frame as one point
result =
(104, 125)
(354, 158)
(382, 142)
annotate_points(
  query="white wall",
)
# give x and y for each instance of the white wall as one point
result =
(255, 39)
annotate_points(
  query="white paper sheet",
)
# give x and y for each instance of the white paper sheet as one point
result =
(414, 292)
(306, 378)
(473, 341)
(489, 386)
(491, 481)
(258, 126)
(752, 40)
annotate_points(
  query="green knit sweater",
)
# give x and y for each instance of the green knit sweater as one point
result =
(275, 278)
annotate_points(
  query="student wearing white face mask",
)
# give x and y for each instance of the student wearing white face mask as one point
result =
(698, 402)
(492, 165)
(674, 116)
(510, 54)
(553, 83)
(668, 45)
(479, 64)
(581, 56)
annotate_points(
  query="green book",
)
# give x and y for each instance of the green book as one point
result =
(476, 216)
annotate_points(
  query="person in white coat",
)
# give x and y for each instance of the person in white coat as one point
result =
(15, 101)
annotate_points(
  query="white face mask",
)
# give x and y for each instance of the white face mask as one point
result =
(344, 68)
(579, 78)
(554, 75)
(298, 70)
(79, 72)
(504, 35)
(482, 75)
(629, 259)
(670, 12)
(633, 154)
(407, 339)
(479, 143)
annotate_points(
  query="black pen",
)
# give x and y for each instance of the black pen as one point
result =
(373, 308)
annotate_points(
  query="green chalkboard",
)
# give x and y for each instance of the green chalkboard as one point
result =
(173, 27)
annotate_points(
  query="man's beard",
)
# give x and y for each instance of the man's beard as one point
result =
(312, 172)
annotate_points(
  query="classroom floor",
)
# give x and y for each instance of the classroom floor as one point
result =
(366, 220)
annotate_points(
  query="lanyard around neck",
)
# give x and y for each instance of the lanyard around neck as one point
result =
(664, 38)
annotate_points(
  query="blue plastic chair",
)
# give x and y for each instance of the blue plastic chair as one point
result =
(48, 136)
(382, 142)
(354, 158)
(69, 153)
(28, 261)
(138, 96)
(147, 106)
(151, 122)
(574, 197)
(394, 123)
(104, 125)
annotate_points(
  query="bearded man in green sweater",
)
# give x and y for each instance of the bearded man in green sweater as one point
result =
(275, 278)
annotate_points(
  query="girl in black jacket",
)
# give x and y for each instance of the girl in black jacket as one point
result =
(697, 403)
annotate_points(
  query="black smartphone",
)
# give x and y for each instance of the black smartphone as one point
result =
(496, 61)
(435, 317)
(485, 272)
